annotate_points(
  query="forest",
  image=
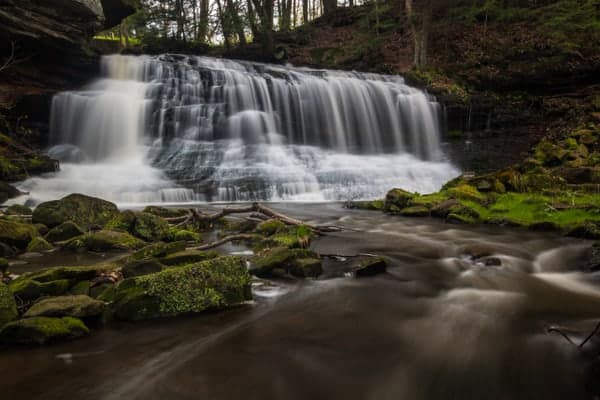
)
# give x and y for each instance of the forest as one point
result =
(276, 199)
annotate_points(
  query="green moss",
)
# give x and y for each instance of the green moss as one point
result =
(397, 199)
(175, 234)
(85, 211)
(42, 330)
(82, 287)
(374, 205)
(16, 233)
(18, 209)
(79, 306)
(270, 227)
(279, 258)
(104, 241)
(64, 231)
(8, 306)
(157, 250)
(467, 192)
(208, 285)
(123, 221)
(29, 289)
(150, 227)
(164, 212)
(39, 244)
(415, 211)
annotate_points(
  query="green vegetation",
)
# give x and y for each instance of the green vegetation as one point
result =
(42, 330)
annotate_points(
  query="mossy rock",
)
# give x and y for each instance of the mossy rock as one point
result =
(42, 330)
(188, 257)
(83, 210)
(441, 210)
(8, 192)
(157, 250)
(71, 273)
(41, 228)
(415, 211)
(29, 289)
(141, 267)
(175, 234)
(509, 178)
(270, 227)
(208, 285)
(164, 212)
(397, 198)
(79, 306)
(39, 244)
(65, 231)
(123, 221)
(16, 233)
(585, 230)
(467, 192)
(82, 287)
(306, 267)
(18, 209)
(3, 265)
(373, 205)
(150, 227)
(8, 306)
(104, 241)
(278, 258)
(537, 182)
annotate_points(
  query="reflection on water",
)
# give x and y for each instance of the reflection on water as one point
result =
(439, 325)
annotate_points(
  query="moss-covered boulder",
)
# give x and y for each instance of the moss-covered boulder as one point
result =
(85, 211)
(270, 227)
(30, 289)
(141, 267)
(39, 244)
(16, 233)
(188, 257)
(397, 199)
(65, 231)
(42, 330)
(18, 209)
(209, 285)
(8, 306)
(123, 221)
(415, 211)
(467, 192)
(8, 192)
(79, 306)
(150, 227)
(283, 258)
(82, 287)
(104, 241)
(310, 267)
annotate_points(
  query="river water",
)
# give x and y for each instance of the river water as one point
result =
(437, 325)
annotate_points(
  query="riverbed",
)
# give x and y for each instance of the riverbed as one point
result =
(462, 312)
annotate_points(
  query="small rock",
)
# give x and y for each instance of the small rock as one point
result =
(80, 306)
(371, 267)
(42, 330)
(38, 244)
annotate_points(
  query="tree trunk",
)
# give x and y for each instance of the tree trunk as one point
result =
(252, 20)
(419, 20)
(203, 21)
(224, 25)
(329, 6)
(304, 11)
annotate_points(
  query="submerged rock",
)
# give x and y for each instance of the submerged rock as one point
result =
(8, 306)
(17, 234)
(104, 241)
(371, 267)
(208, 285)
(79, 306)
(42, 330)
(65, 231)
(83, 210)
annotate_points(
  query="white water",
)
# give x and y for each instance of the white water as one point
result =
(176, 129)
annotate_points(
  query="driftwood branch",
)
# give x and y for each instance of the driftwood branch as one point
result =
(258, 212)
(226, 239)
(349, 256)
(554, 329)
(590, 335)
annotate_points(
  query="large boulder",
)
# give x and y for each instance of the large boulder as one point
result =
(150, 227)
(79, 306)
(83, 210)
(209, 285)
(16, 233)
(8, 306)
(42, 330)
(64, 231)
(104, 241)
(38, 244)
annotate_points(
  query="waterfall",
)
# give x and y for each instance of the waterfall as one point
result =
(175, 128)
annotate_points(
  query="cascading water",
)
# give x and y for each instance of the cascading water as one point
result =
(182, 129)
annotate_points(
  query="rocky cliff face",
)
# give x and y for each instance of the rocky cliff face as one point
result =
(45, 46)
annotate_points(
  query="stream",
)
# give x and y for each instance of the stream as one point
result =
(438, 325)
